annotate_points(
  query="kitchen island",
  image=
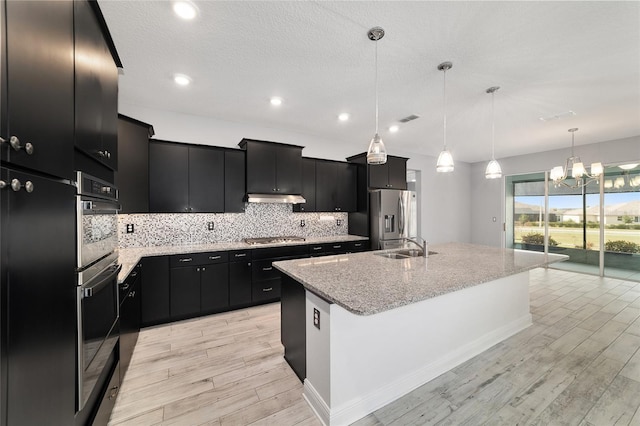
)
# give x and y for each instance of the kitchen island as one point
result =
(375, 327)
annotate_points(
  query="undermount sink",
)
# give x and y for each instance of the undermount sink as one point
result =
(404, 254)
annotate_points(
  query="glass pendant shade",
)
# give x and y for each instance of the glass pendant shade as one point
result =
(493, 170)
(578, 170)
(557, 173)
(618, 183)
(445, 162)
(377, 153)
(596, 169)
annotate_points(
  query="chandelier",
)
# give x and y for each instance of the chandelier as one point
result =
(575, 169)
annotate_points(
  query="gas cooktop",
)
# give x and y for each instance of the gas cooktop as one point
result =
(272, 240)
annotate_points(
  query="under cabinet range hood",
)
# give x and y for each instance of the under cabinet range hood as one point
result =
(275, 198)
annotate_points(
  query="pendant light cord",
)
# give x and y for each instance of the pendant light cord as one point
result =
(493, 126)
(444, 107)
(376, 78)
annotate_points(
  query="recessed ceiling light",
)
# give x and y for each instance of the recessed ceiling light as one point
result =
(185, 9)
(275, 101)
(182, 80)
(394, 128)
(628, 166)
(344, 116)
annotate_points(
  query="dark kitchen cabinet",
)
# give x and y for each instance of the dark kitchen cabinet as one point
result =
(155, 290)
(96, 89)
(292, 326)
(38, 294)
(130, 317)
(308, 186)
(214, 288)
(234, 181)
(272, 168)
(240, 278)
(38, 87)
(201, 287)
(391, 175)
(132, 179)
(335, 186)
(185, 178)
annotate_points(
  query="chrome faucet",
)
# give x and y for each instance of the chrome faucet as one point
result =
(425, 252)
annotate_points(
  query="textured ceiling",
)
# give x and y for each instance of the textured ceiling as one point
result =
(548, 58)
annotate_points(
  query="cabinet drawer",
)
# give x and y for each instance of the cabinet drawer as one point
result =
(108, 398)
(356, 246)
(328, 249)
(193, 259)
(266, 290)
(239, 255)
(262, 270)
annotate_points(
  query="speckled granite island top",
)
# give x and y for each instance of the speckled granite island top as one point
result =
(129, 257)
(365, 283)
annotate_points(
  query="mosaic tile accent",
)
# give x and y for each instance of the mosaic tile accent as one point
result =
(259, 220)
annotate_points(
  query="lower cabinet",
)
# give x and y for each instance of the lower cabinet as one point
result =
(130, 317)
(185, 291)
(214, 288)
(155, 290)
(108, 399)
(240, 278)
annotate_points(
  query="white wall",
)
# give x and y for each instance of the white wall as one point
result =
(487, 199)
(445, 198)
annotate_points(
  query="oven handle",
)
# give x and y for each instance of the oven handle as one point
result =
(90, 289)
(99, 206)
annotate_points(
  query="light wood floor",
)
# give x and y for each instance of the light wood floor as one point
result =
(578, 364)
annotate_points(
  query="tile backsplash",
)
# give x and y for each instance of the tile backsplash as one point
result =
(259, 220)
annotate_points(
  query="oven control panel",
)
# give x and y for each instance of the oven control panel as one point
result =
(89, 185)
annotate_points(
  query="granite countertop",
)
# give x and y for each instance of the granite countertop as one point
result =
(129, 257)
(366, 284)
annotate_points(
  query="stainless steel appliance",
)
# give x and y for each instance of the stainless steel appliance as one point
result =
(393, 217)
(98, 268)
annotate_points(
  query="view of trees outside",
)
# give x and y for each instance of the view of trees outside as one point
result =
(574, 216)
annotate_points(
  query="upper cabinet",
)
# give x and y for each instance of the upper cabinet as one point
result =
(391, 175)
(96, 88)
(37, 90)
(234, 181)
(185, 178)
(335, 186)
(272, 168)
(308, 186)
(132, 178)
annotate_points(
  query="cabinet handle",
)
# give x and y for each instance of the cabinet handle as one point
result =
(337, 247)
(204, 269)
(16, 185)
(316, 248)
(267, 269)
(125, 286)
(358, 244)
(267, 289)
(197, 269)
(133, 274)
(15, 144)
(186, 259)
(214, 257)
(240, 254)
(113, 392)
(132, 294)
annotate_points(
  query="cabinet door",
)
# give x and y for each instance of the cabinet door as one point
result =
(326, 181)
(289, 170)
(206, 180)
(308, 186)
(38, 284)
(168, 178)
(40, 80)
(214, 287)
(185, 292)
(109, 133)
(132, 178)
(397, 172)
(379, 175)
(155, 290)
(346, 189)
(239, 283)
(266, 290)
(234, 181)
(261, 168)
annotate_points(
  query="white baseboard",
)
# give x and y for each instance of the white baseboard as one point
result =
(318, 405)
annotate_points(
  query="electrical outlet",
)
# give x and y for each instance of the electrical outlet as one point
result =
(302, 223)
(129, 228)
(210, 226)
(316, 318)
(339, 222)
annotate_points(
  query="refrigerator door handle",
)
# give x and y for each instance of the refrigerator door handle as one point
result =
(401, 210)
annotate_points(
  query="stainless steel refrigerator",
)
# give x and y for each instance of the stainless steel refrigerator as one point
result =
(393, 216)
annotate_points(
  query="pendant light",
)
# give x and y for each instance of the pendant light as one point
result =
(575, 168)
(445, 160)
(377, 153)
(493, 168)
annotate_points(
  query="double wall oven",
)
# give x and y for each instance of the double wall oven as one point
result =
(98, 268)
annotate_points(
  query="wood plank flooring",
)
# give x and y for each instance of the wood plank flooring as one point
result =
(578, 364)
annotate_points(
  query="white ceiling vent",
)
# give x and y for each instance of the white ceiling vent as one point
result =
(409, 118)
(558, 116)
